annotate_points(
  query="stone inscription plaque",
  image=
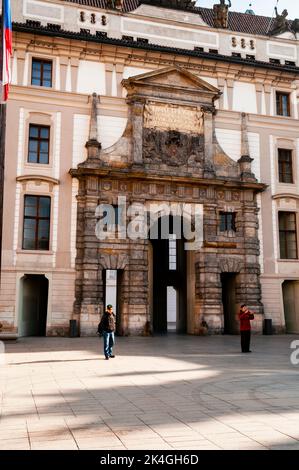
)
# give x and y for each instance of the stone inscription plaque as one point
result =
(168, 117)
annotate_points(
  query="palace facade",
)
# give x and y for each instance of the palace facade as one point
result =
(158, 103)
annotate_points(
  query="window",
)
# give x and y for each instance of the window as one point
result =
(36, 222)
(213, 51)
(291, 63)
(142, 40)
(236, 54)
(38, 148)
(274, 61)
(199, 49)
(283, 104)
(288, 235)
(101, 34)
(41, 73)
(250, 57)
(227, 221)
(285, 166)
(127, 38)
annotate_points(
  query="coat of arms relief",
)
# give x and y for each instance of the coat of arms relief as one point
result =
(173, 134)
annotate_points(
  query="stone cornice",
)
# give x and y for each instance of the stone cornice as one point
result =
(89, 38)
(129, 173)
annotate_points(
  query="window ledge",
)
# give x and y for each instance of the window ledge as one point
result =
(35, 252)
(288, 260)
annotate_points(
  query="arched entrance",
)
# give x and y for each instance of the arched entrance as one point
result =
(169, 281)
(33, 305)
(290, 291)
(230, 308)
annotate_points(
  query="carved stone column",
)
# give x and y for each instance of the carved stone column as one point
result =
(209, 171)
(137, 110)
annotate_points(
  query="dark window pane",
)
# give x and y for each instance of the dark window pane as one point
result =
(29, 244)
(36, 64)
(44, 207)
(43, 158)
(44, 146)
(33, 131)
(35, 81)
(29, 224)
(222, 223)
(33, 146)
(44, 132)
(32, 157)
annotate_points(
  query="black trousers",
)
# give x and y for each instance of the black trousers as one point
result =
(245, 340)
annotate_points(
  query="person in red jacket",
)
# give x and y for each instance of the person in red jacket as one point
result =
(245, 328)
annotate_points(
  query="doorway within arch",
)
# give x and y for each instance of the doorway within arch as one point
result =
(169, 282)
(33, 305)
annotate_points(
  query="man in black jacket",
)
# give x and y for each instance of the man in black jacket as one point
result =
(107, 328)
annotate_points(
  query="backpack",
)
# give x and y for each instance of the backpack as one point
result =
(100, 329)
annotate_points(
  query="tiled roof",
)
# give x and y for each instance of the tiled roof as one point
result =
(129, 5)
(238, 22)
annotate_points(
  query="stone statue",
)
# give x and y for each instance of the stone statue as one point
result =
(295, 26)
(221, 14)
(281, 24)
(115, 4)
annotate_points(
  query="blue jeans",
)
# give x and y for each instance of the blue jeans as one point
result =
(108, 343)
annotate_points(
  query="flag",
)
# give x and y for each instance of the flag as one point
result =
(6, 51)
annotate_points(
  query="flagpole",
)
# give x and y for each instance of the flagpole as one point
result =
(2, 140)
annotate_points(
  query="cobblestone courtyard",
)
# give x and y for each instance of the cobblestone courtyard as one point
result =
(175, 392)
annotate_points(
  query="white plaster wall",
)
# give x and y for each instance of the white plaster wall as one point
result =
(43, 10)
(91, 77)
(132, 71)
(169, 35)
(57, 75)
(14, 72)
(211, 81)
(273, 300)
(68, 82)
(26, 70)
(111, 129)
(244, 99)
(54, 222)
(230, 142)
(80, 137)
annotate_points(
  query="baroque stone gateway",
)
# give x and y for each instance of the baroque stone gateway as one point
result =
(169, 154)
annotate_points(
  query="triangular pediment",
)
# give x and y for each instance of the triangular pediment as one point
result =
(173, 78)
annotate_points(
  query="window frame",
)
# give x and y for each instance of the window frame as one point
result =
(286, 249)
(281, 172)
(233, 225)
(37, 218)
(39, 140)
(279, 103)
(43, 62)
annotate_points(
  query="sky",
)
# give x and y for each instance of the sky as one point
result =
(260, 7)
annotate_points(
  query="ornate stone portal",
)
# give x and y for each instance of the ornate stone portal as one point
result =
(168, 154)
